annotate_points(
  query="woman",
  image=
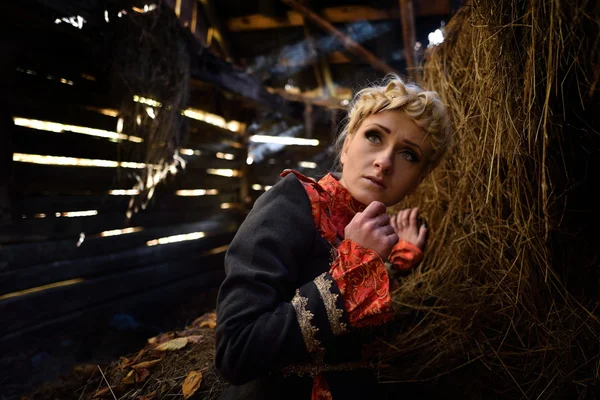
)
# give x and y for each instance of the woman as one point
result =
(306, 273)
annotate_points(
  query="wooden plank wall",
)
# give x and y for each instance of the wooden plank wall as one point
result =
(65, 275)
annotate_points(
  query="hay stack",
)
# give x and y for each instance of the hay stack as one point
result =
(487, 311)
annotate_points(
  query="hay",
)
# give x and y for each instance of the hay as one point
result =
(487, 311)
(162, 377)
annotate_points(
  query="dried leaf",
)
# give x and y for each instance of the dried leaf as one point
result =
(163, 337)
(194, 339)
(146, 364)
(138, 357)
(102, 392)
(208, 319)
(149, 396)
(208, 324)
(142, 375)
(129, 379)
(192, 383)
(124, 362)
(174, 344)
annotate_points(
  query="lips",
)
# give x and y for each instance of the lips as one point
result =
(376, 180)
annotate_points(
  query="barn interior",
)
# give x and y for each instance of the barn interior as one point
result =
(135, 135)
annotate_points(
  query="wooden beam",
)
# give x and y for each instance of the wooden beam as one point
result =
(348, 43)
(407, 15)
(138, 255)
(217, 29)
(8, 49)
(24, 312)
(337, 57)
(327, 102)
(336, 15)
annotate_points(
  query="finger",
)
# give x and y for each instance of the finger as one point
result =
(393, 222)
(414, 213)
(374, 209)
(422, 238)
(405, 217)
(382, 219)
(392, 239)
(398, 220)
(386, 230)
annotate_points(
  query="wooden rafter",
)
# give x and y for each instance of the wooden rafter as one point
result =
(313, 97)
(344, 39)
(336, 15)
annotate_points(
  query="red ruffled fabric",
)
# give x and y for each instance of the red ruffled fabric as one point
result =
(333, 207)
(320, 389)
(405, 256)
(364, 284)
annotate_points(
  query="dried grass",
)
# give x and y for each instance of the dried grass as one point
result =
(164, 381)
(487, 310)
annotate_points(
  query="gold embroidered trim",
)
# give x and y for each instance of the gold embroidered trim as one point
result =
(334, 314)
(333, 255)
(317, 368)
(305, 317)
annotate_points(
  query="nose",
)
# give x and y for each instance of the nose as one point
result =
(383, 162)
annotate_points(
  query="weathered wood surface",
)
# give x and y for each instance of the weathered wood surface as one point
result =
(407, 15)
(344, 39)
(335, 15)
(21, 312)
(34, 178)
(160, 201)
(53, 228)
(17, 279)
(42, 252)
(76, 323)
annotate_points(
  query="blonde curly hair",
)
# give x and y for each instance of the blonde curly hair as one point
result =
(424, 107)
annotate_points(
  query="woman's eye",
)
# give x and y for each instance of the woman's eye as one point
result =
(409, 156)
(373, 136)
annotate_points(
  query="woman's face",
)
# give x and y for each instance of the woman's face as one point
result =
(385, 159)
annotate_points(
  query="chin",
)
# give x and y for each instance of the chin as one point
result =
(368, 198)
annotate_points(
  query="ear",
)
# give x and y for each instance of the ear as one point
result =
(344, 155)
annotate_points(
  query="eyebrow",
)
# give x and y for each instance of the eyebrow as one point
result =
(388, 131)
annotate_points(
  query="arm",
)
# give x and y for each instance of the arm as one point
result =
(408, 252)
(265, 321)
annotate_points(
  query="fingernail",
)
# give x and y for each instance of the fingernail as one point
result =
(425, 224)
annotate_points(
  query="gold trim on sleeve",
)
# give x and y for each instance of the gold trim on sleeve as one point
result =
(305, 317)
(334, 314)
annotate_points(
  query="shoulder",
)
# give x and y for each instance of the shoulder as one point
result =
(288, 189)
(285, 202)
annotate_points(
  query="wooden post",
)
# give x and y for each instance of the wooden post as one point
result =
(7, 71)
(348, 43)
(217, 29)
(407, 15)
(308, 120)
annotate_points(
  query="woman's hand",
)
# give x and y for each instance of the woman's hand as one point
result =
(405, 224)
(371, 229)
